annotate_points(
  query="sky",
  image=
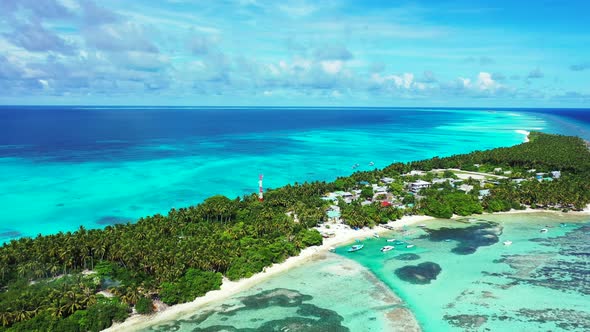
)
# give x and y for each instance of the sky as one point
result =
(296, 53)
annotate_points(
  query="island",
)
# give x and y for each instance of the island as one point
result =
(88, 279)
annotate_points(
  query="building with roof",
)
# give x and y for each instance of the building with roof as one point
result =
(387, 180)
(419, 185)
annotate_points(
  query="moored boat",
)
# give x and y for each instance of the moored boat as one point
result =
(356, 247)
(507, 243)
(390, 240)
(544, 230)
(409, 246)
(387, 248)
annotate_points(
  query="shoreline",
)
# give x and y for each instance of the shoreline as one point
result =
(526, 134)
(342, 235)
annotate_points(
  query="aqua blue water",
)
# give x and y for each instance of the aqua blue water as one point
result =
(62, 167)
(461, 277)
(328, 294)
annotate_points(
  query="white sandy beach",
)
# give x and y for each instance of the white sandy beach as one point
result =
(342, 235)
(525, 133)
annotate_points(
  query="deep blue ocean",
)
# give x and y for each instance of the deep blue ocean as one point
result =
(62, 167)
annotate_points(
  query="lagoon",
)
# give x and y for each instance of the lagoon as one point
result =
(538, 283)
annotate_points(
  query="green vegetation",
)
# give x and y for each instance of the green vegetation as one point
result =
(144, 306)
(174, 258)
(193, 284)
(182, 255)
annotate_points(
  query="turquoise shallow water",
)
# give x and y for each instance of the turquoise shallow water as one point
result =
(458, 277)
(63, 168)
(464, 279)
(329, 294)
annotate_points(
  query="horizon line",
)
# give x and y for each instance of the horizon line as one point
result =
(302, 107)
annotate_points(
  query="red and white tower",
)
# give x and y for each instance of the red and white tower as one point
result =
(260, 197)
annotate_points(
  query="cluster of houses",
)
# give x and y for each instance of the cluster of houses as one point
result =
(382, 195)
(539, 176)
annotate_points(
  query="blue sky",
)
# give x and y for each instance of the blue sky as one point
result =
(296, 52)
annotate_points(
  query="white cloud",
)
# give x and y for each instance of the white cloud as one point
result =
(332, 67)
(44, 83)
(485, 81)
(405, 81)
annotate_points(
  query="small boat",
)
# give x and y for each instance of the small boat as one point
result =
(375, 235)
(332, 249)
(422, 225)
(356, 247)
(371, 164)
(507, 243)
(543, 230)
(390, 240)
(387, 248)
(410, 246)
(447, 240)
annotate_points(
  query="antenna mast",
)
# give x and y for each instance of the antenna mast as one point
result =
(260, 196)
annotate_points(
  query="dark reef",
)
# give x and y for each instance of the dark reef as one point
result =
(569, 271)
(311, 318)
(422, 273)
(407, 257)
(113, 220)
(10, 234)
(468, 238)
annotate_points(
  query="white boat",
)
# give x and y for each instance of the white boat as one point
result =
(410, 246)
(356, 247)
(422, 225)
(375, 235)
(371, 164)
(390, 240)
(507, 243)
(387, 248)
(544, 230)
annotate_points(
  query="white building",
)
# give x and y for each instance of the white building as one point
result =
(483, 193)
(451, 181)
(556, 174)
(387, 180)
(465, 187)
(379, 188)
(419, 185)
